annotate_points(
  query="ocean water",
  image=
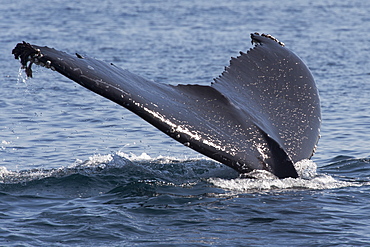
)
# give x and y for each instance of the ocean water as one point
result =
(78, 170)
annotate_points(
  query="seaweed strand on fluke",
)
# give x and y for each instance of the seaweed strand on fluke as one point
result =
(261, 113)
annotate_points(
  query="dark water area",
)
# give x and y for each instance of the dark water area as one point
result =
(193, 202)
(76, 169)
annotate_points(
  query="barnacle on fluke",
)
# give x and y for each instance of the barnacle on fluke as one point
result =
(262, 113)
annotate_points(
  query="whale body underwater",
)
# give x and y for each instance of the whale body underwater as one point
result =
(262, 113)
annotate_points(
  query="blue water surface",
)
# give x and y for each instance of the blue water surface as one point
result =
(78, 170)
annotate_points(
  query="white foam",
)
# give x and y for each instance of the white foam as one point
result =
(134, 157)
(306, 169)
(93, 161)
(4, 172)
(252, 185)
(159, 159)
(94, 164)
(7, 176)
(265, 181)
(262, 180)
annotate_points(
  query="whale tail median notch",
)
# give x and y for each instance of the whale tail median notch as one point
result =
(262, 112)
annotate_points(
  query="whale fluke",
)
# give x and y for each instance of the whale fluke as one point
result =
(263, 112)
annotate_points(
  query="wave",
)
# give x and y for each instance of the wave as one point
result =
(131, 175)
(309, 179)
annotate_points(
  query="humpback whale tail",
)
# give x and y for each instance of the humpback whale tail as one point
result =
(263, 112)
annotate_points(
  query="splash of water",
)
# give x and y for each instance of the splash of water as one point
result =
(95, 164)
(265, 181)
(22, 77)
(261, 181)
(306, 169)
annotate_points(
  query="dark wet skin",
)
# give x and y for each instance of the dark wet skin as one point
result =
(262, 113)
